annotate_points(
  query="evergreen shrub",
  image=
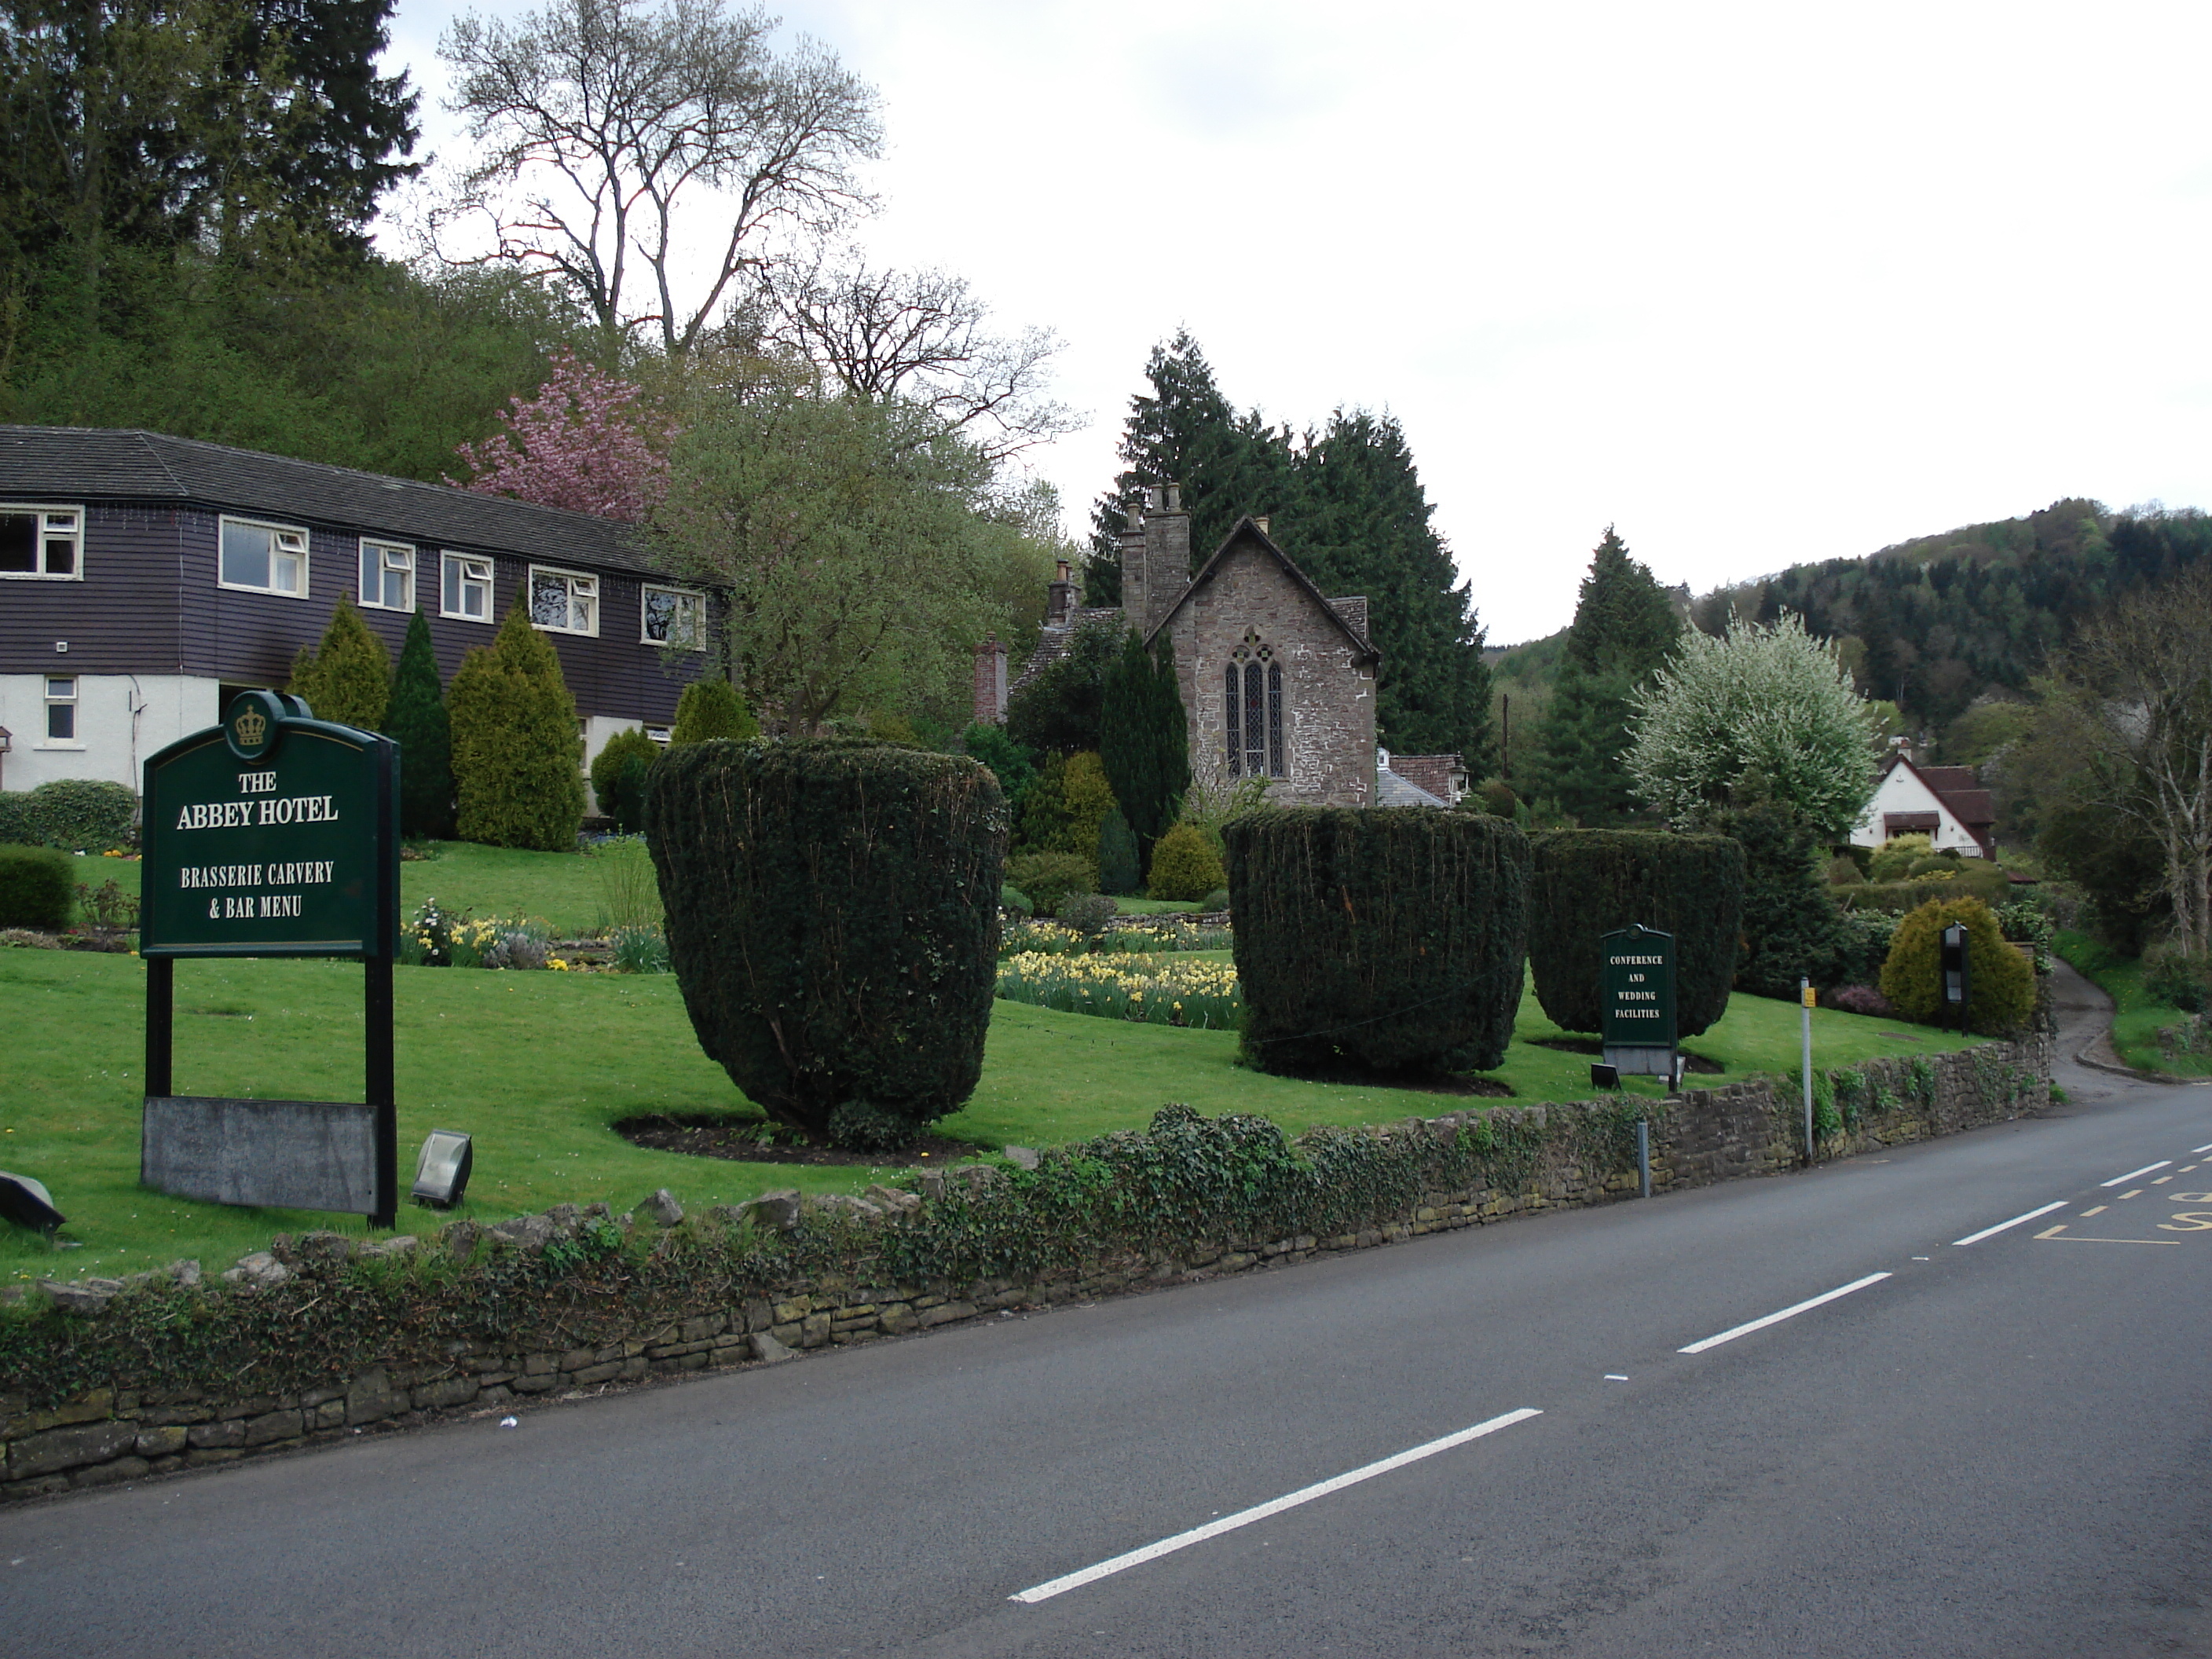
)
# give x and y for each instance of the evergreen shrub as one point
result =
(76, 815)
(1214, 901)
(2001, 992)
(1586, 883)
(1012, 898)
(1389, 937)
(1087, 914)
(1894, 857)
(1047, 879)
(618, 777)
(516, 754)
(2180, 979)
(834, 925)
(416, 719)
(1184, 865)
(711, 708)
(38, 888)
(1118, 860)
(349, 680)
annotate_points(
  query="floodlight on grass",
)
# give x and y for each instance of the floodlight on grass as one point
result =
(1605, 1077)
(28, 1204)
(442, 1174)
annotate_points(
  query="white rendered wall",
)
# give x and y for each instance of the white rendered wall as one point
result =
(1902, 791)
(121, 719)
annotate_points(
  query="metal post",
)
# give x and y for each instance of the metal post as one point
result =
(1805, 1015)
(376, 1010)
(1643, 1158)
(161, 1002)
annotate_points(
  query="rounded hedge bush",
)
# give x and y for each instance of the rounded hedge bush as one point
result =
(1049, 879)
(618, 777)
(1584, 884)
(1389, 937)
(77, 815)
(38, 888)
(1184, 865)
(2000, 991)
(833, 920)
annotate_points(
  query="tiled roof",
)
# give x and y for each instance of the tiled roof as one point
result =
(1053, 643)
(1391, 790)
(1247, 529)
(99, 464)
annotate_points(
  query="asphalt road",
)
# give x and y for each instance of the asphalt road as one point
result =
(2002, 1447)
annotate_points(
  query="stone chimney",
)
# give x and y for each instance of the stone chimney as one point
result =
(991, 680)
(1134, 593)
(1059, 599)
(1166, 556)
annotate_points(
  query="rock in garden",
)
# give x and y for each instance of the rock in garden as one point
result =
(661, 1208)
(187, 1272)
(88, 1296)
(1024, 1157)
(528, 1232)
(777, 1208)
(766, 1348)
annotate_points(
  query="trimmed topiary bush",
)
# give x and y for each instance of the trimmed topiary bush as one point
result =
(1214, 901)
(2002, 988)
(833, 920)
(516, 756)
(618, 778)
(1047, 879)
(1389, 937)
(1184, 865)
(38, 888)
(1583, 884)
(76, 815)
(1087, 914)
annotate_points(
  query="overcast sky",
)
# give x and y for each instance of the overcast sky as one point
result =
(1757, 283)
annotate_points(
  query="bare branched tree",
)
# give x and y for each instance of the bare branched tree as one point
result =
(920, 335)
(2134, 700)
(676, 139)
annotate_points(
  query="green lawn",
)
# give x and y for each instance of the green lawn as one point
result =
(2137, 1016)
(538, 1066)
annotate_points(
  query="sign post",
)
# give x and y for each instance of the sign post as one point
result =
(1958, 974)
(1806, 999)
(272, 835)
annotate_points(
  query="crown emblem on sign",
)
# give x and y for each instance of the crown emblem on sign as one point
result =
(251, 727)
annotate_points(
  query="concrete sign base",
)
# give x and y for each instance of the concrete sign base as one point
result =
(291, 1154)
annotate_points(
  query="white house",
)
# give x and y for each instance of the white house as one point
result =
(1946, 803)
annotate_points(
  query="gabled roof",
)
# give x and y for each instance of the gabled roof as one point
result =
(91, 463)
(1956, 786)
(1246, 532)
(1052, 644)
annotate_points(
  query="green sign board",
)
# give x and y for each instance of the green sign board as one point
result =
(1638, 1013)
(271, 834)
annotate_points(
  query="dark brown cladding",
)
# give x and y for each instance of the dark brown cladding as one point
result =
(149, 600)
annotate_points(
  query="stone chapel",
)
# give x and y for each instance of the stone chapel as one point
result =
(1277, 680)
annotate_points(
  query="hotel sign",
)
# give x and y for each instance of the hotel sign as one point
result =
(271, 834)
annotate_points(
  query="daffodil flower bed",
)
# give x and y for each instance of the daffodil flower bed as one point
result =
(1200, 994)
(1053, 939)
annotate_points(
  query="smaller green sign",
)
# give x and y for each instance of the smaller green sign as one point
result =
(1639, 985)
(271, 834)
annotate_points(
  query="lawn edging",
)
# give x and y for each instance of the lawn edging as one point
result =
(106, 1381)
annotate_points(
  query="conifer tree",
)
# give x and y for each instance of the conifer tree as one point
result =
(1183, 431)
(1624, 626)
(416, 719)
(711, 708)
(1359, 524)
(349, 680)
(1144, 739)
(516, 754)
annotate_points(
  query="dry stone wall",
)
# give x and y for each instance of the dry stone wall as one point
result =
(656, 1295)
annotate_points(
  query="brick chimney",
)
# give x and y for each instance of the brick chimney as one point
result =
(991, 681)
(1059, 599)
(1167, 556)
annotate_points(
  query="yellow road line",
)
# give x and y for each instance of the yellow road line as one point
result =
(2137, 1194)
(2053, 1232)
(2100, 1210)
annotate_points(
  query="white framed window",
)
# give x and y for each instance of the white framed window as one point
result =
(61, 712)
(564, 601)
(264, 558)
(465, 588)
(387, 575)
(47, 542)
(674, 616)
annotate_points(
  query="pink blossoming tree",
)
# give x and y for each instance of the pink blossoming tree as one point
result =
(583, 443)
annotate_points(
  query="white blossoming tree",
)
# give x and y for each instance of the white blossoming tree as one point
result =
(1769, 699)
